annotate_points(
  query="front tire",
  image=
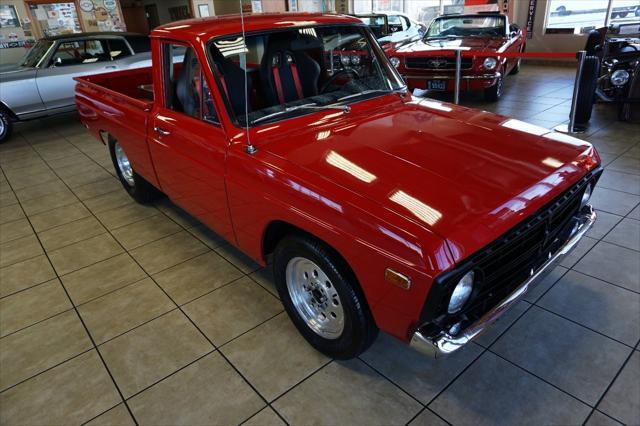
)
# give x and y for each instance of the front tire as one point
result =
(137, 187)
(587, 91)
(493, 93)
(6, 126)
(322, 299)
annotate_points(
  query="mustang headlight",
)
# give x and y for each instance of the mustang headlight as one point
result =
(461, 293)
(355, 60)
(490, 63)
(620, 77)
(346, 60)
(395, 61)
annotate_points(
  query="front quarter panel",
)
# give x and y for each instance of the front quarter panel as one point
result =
(263, 188)
(19, 92)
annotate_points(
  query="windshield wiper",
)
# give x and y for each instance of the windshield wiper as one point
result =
(444, 36)
(402, 90)
(343, 108)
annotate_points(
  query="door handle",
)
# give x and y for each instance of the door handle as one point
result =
(161, 131)
(110, 67)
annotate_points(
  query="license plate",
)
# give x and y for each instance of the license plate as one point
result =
(436, 85)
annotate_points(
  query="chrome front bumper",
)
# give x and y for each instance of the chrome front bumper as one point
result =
(444, 343)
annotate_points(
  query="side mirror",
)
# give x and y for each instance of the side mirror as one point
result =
(513, 34)
(57, 61)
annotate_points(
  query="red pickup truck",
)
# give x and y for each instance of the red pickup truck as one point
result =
(376, 209)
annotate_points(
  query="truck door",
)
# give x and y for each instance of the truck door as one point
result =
(187, 142)
(72, 58)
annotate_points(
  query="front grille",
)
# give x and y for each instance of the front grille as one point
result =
(437, 63)
(506, 263)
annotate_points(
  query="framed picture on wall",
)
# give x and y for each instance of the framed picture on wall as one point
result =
(203, 10)
(8, 16)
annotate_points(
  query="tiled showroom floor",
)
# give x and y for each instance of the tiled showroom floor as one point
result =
(115, 313)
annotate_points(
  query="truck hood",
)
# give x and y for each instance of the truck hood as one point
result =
(467, 175)
(479, 44)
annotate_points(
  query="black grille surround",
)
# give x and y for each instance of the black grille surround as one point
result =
(436, 63)
(506, 263)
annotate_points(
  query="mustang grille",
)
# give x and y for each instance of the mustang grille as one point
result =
(438, 63)
(507, 262)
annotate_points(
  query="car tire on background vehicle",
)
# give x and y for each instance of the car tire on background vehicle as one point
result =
(587, 90)
(137, 187)
(515, 70)
(493, 93)
(6, 126)
(322, 298)
(624, 111)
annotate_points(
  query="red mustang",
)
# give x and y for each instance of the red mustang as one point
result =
(430, 64)
(376, 209)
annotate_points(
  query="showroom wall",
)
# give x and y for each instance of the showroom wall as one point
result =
(12, 36)
(542, 42)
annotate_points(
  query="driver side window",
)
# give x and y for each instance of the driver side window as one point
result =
(186, 89)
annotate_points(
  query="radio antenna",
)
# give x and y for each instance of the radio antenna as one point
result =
(250, 149)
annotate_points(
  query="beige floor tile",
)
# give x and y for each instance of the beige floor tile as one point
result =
(207, 236)
(24, 180)
(239, 259)
(428, 418)
(208, 392)
(81, 179)
(98, 188)
(102, 277)
(117, 416)
(167, 252)
(37, 348)
(59, 216)
(232, 310)
(11, 213)
(70, 393)
(264, 277)
(84, 253)
(347, 393)
(421, 376)
(41, 190)
(108, 201)
(143, 356)
(124, 309)
(126, 214)
(13, 230)
(18, 250)
(145, 231)
(261, 358)
(69, 233)
(266, 417)
(27, 307)
(197, 276)
(48, 202)
(7, 198)
(25, 274)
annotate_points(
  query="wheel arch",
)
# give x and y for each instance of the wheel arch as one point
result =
(4, 107)
(276, 230)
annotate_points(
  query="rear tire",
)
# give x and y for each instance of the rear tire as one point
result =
(322, 299)
(6, 126)
(137, 187)
(515, 70)
(587, 90)
(624, 111)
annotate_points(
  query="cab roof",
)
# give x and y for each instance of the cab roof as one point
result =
(215, 26)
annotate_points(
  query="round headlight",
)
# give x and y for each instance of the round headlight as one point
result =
(586, 195)
(620, 77)
(490, 63)
(355, 59)
(345, 60)
(461, 293)
(395, 62)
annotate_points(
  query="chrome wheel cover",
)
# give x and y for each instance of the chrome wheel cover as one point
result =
(3, 127)
(124, 165)
(315, 298)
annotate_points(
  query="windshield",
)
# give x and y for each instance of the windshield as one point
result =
(36, 53)
(467, 26)
(296, 72)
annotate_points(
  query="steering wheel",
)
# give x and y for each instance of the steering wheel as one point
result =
(335, 76)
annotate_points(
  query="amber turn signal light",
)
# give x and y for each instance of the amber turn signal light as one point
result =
(397, 279)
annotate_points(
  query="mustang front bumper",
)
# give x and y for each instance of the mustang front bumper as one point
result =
(444, 343)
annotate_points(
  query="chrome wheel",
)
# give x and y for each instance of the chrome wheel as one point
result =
(3, 127)
(124, 165)
(315, 298)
